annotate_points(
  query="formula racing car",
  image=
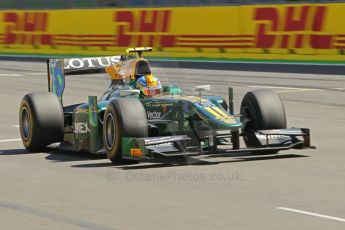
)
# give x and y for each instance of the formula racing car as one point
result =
(137, 117)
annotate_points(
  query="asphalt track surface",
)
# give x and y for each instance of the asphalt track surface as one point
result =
(291, 190)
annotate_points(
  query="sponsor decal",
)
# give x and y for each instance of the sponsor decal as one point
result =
(157, 140)
(164, 106)
(270, 136)
(291, 27)
(154, 24)
(92, 62)
(27, 28)
(153, 115)
(164, 144)
(81, 127)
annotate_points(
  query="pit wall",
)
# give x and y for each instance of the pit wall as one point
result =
(261, 32)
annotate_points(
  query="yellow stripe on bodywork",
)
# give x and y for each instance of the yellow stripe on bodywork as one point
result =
(220, 114)
(218, 110)
(213, 112)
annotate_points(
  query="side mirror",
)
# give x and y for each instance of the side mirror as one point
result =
(202, 88)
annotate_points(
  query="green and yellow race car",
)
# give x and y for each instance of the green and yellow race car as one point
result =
(137, 117)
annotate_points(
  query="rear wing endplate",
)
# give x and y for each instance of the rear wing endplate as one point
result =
(58, 68)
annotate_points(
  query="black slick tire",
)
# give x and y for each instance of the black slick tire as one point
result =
(41, 121)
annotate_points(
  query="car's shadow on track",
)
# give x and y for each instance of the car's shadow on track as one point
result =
(7, 152)
(70, 156)
(184, 161)
(57, 155)
(66, 156)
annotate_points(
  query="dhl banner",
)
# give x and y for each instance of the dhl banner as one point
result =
(287, 32)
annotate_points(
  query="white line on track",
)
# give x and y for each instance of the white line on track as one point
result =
(10, 140)
(342, 89)
(15, 126)
(311, 214)
(35, 74)
(285, 89)
(258, 63)
(281, 87)
(10, 75)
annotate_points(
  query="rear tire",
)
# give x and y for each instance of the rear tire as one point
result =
(41, 121)
(124, 117)
(261, 109)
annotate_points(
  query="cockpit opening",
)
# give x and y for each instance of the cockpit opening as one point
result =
(142, 68)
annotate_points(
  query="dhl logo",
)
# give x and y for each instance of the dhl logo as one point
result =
(151, 28)
(144, 28)
(291, 27)
(26, 28)
(31, 28)
(285, 27)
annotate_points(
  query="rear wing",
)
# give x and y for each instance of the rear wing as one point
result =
(139, 50)
(59, 68)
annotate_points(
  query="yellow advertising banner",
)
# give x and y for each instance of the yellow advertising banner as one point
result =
(292, 32)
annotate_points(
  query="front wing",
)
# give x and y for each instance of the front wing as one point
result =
(268, 141)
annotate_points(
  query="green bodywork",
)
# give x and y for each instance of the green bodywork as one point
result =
(177, 113)
(171, 113)
(94, 125)
(129, 143)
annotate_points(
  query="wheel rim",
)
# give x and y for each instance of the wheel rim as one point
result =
(109, 131)
(247, 119)
(25, 122)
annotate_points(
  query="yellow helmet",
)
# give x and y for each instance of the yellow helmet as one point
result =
(149, 85)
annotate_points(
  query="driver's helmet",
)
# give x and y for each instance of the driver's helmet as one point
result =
(149, 86)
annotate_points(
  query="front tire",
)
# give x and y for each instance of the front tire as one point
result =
(124, 117)
(41, 121)
(261, 109)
